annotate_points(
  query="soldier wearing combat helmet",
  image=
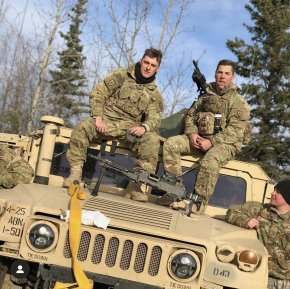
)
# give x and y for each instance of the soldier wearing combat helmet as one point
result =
(272, 224)
(125, 103)
(214, 131)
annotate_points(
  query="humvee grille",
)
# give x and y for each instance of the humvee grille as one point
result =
(98, 249)
(140, 258)
(126, 255)
(84, 246)
(112, 252)
(130, 212)
(114, 248)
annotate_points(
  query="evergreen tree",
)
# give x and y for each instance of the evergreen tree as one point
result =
(265, 62)
(68, 82)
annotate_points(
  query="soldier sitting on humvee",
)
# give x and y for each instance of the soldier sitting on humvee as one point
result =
(118, 104)
(214, 131)
(13, 169)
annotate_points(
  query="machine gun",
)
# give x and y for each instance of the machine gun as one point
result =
(199, 79)
(177, 193)
(174, 191)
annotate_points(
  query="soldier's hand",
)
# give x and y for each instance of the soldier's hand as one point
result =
(252, 223)
(193, 139)
(137, 131)
(204, 144)
(101, 125)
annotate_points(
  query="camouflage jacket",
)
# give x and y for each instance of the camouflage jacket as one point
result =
(273, 232)
(231, 105)
(119, 97)
(13, 169)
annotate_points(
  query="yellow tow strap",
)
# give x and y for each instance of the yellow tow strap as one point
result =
(82, 282)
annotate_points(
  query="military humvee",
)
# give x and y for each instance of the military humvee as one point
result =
(144, 246)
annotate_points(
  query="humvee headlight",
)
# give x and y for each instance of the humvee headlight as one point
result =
(183, 265)
(225, 253)
(42, 236)
(248, 260)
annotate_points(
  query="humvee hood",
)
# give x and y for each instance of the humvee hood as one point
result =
(152, 219)
(39, 198)
(146, 218)
(203, 227)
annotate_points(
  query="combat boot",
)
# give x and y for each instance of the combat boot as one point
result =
(164, 200)
(75, 174)
(196, 205)
(134, 192)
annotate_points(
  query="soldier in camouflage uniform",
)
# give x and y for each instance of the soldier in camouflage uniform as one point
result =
(214, 131)
(125, 103)
(272, 223)
(13, 169)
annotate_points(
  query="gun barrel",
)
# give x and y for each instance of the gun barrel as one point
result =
(196, 66)
(199, 78)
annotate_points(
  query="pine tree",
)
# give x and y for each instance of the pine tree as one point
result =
(265, 62)
(68, 82)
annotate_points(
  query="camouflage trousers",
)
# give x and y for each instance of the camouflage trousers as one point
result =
(18, 171)
(146, 147)
(274, 283)
(210, 162)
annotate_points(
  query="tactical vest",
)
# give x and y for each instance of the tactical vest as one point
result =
(130, 97)
(211, 117)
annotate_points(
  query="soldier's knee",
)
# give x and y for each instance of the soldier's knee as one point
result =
(170, 145)
(178, 143)
(85, 130)
(149, 137)
(78, 139)
(150, 140)
(209, 165)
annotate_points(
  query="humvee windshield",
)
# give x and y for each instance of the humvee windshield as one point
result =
(229, 190)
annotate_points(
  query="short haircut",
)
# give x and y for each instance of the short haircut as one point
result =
(226, 62)
(153, 53)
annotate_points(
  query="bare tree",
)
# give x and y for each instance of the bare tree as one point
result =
(26, 58)
(16, 70)
(176, 94)
(131, 23)
(2, 10)
(120, 33)
(13, 59)
(117, 38)
(44, 63)
(15, 96)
